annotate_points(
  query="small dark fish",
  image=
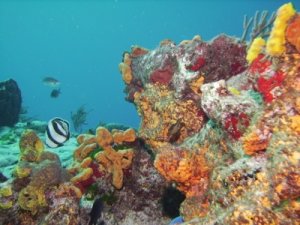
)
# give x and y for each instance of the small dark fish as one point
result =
(55, 93)
(174, 131)
(57, 132)
(96, 212)
(51, 81)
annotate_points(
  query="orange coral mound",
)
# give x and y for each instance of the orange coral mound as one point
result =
(110, 160)
(114, 161)
(253, 143)
(293, 32)
(185, 167)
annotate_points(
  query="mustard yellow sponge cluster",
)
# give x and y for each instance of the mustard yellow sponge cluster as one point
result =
(276, 41)
(255, 48)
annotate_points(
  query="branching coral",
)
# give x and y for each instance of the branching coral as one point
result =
(261, 26)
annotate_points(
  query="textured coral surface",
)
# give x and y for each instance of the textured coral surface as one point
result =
(224, 131)
(220, 121)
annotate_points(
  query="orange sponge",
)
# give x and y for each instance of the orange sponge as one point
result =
(293, 32)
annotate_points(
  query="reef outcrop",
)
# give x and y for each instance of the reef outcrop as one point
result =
(222, 118)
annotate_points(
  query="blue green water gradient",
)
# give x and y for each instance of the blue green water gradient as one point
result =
(81, 44)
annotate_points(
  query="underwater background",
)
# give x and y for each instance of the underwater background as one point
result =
(199, 126)
(80, 43)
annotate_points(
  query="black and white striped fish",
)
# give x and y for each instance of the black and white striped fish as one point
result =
(57, 132)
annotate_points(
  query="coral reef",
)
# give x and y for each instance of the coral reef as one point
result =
(142, 191)
(225, 132)
(10, 102)
(220, 122)
(25, 199)
(104, 152)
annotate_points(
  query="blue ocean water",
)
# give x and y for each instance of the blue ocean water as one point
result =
(81, 44)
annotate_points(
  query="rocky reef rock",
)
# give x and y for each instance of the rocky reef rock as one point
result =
(139, 201)
(223, 120)
(10, 102)
(26, 198)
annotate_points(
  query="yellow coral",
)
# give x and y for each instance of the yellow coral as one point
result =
(22, 172)
(32, 198)
(196, 84)
(31, 146)
(234, 91)
(276, 41)
(6, 191)
(6, 205)
(255, 49)
(296, 123)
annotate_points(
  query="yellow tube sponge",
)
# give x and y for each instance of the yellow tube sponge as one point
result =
(255, 49)
(276, 41)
